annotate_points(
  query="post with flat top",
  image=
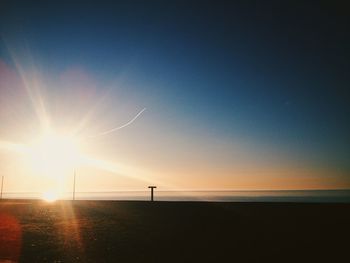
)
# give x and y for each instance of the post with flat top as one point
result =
(152, 187)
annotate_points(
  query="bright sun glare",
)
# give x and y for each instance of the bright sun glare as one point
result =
(53, 154)
(50, 196)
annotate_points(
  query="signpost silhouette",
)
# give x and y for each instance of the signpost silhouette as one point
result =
(152, 187)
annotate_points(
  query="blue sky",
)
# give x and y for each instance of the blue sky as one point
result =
(270, 75)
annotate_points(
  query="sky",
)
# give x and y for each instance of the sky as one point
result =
(239, 95)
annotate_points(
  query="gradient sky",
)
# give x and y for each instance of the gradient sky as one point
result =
(243, 95)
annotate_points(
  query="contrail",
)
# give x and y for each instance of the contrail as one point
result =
(119, 127)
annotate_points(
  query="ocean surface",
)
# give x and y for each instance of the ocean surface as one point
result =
(328, 196)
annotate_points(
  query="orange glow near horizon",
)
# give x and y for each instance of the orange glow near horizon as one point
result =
(150, 150)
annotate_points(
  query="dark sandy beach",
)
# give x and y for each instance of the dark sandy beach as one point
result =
(131, 231)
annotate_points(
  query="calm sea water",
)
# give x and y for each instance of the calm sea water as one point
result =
(331, 196)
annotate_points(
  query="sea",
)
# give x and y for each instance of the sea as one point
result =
(313, 196)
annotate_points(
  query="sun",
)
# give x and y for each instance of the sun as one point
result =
(53, 154)
(50, 196)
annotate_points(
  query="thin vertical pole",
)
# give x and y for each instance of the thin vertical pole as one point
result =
(2, 185)
(74, 186)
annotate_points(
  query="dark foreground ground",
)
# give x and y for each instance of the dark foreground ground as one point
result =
(122, 231)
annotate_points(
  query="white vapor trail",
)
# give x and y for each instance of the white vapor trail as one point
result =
(119, 127)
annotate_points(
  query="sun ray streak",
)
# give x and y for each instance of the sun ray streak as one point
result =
(86, 119)
(32, 88)
(14, 147)
(120, 169)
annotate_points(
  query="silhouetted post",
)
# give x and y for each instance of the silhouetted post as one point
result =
(74, 186)
(152, 187)
(2, 185)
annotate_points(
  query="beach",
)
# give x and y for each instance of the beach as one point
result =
(143, 231)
